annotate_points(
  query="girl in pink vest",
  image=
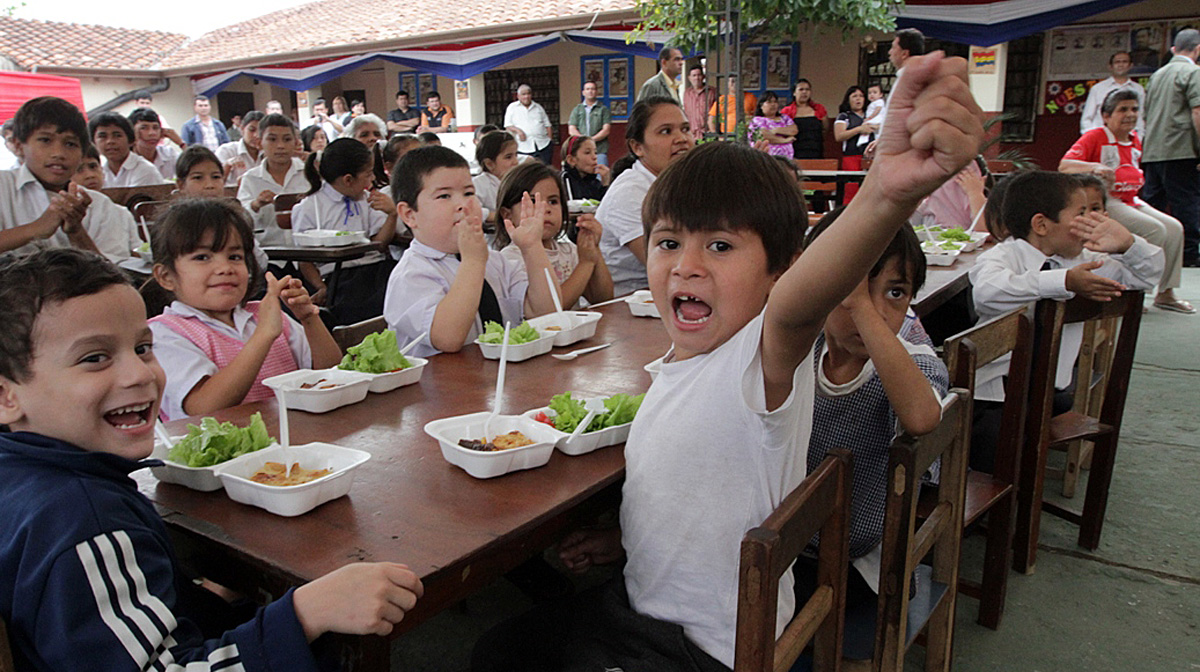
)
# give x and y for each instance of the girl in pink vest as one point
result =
(215, 347)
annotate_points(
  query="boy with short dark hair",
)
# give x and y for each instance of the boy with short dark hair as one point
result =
(37, 201)
(90, 173)
(148, 129)
(89, 574)
(722, 435)
(449, 282)
(279, 172)
(1056, 250)
(113, 136)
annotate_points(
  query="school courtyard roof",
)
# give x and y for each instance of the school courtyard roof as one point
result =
(33, 44)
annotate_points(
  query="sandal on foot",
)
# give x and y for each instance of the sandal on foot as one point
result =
(1176, 306)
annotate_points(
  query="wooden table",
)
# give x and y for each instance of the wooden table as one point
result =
(323, 255)
(841, 177)
(407, 503)
(943, 282)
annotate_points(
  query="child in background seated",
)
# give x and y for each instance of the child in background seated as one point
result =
(84, 552)
(113, 136)
(340, 198)
(198, 172)
(430, 138)
(217, 347)
(313, 138)
(89, 173)
(37, 201)
(993, 209)
(722, 435)
(584, 176)
(449, 283)
(532, 187)
(147, 128)
(496, 154)
(1057, 250)
(397, 146)
(240, 156)
(872, 384)
(279, 173)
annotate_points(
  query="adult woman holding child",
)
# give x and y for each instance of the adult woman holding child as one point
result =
(658, 133)
(850, 128)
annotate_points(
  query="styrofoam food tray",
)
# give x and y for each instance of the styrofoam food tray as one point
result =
(519, 352)
(203, 479)
(386, 382)
(641, 304)
(328, 238)
(577, 205)
(587, 441)
(574, 326)
(292, 500)
(479, 464)
(352, 388)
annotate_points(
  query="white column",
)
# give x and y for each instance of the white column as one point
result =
(471, 111)
(304, 102)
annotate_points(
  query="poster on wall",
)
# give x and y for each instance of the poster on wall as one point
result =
(779, 67)
(983, 60)
(1083, 52)
(1147, 47)
(593, 71)
(618, 78)
(408, 83)
(752, 69)
(462, 89)
(426, 85)
(620, 108)
(1065, 97)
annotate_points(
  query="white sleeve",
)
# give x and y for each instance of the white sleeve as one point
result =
(111, 228)
(298, 344)
(1091, 109)
(624, 218)
(247, 193)
(145, 174)
(998, 288)
(413, 293)
(186, 365)
(1139, 267)
(304, 215)
(514, 280)
(508, 116)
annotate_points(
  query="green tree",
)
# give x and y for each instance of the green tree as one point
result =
(695, 23)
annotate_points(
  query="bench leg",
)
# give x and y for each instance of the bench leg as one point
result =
(1095, 503)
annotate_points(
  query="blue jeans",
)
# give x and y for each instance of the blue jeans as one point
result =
(1174, 187)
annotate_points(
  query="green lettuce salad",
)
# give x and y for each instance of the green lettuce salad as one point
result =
(378, 353)
(215, 442)
(955, 234)
(570, 412)
(494, 333)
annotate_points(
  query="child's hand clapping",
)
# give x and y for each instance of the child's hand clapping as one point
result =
(472, 244)
(69, 208)
(588, 240)
(1101, 233)
(933, 129)
(270, 312)
(528, 233)
(380, 201)
(297, 299)
(1083, 282)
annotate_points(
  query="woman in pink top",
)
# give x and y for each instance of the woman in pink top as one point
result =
(216, 348)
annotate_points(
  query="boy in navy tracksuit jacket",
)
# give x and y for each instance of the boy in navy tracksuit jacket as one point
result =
(88, 578)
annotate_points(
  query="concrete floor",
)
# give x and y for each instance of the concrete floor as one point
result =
(1134, 604)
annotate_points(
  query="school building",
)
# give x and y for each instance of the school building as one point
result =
(1032, 61)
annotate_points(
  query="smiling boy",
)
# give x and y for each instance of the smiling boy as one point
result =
(89, 574)
(148, 129)
(449, 283)
(113, 136)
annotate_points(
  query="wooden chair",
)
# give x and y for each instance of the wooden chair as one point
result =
(353, 334)
(152, 192)
(998, 167)
(6, 659)
(148, 211)
(1044, 432)
(824, 192)
(1094, 366)
(993, 494)
(820, 503)
(283, 209)
(905, 611)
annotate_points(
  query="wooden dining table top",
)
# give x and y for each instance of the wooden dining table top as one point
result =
(407, 504)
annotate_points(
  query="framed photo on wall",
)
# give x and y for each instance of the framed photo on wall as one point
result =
(620, 108)
(426, 85)
(752, 69)
(593, 71)
(779, 67)
(618, 78)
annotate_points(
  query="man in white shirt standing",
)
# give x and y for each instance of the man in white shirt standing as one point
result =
(320, 117)
(1118, 64)
(530, 124)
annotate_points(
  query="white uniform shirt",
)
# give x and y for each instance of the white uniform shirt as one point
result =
(705, 463)
(237, 151)
(1009, 276)
(257, 180)
(487, 187)
(620, 215)
(1091, 107)
(533, 120)
(420, 281)
(134, 172)
(186, 365)
(23, 199)
(563, 255)
(165, 156)
(328, 210)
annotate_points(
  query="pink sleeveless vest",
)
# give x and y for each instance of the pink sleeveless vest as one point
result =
(221, 349)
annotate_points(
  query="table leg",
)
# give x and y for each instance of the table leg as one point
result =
(361, 653)
(332, 284)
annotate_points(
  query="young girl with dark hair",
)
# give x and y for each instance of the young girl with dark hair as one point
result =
(496, 154)
(341, 198)
(584, 176)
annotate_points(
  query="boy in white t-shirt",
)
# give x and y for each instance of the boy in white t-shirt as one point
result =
(722, 435)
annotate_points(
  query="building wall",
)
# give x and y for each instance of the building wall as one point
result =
(175, 103)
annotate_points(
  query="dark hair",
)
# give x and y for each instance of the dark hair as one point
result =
(320, 101)
(433, 94)
(192, 156)
(391, 150)
(845, 106)
(491, 146)
(993, 208)
(665, 52)
(50, 111)
(144, 114)
(111, 119)
(409, 173)
(307, 135)
(1089, 181)
(401, 92)
(639, 117)
(573, 144)
(344, 156)
(90, 152)
(1118, 53)
(428, 137)
(621, 165)
(1115, 98)
(905, 246)
(253, 115)
(143, 95)
(766, 97)
(182, 228)
(911, 40)
(199, 98)
(516, 182)
(726, 185)
(1037, 192)
(791, 166)
(355, 102)
(30, 282)
(275, 119)
(484, 130)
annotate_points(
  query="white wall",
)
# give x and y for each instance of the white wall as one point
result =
(175, 103)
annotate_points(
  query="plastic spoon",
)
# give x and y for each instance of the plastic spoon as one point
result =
(413, 343)
(499, 384)
(605, 303)
(553, 291)
(284, 439)
(566, 357)
(161, 433)
(593, 405)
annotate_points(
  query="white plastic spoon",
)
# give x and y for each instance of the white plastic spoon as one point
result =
(553, 292)
(284, 439)
(593, 405)
(499, 384)
(161, 433)
(413, 343)
(568, 356)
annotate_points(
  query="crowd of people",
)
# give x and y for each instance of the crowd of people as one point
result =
(771, 348)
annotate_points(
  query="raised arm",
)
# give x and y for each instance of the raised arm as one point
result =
(933, 130)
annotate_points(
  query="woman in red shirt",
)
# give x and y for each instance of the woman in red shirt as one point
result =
(810, 122)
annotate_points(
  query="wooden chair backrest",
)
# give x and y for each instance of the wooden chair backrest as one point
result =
(352, 334)
(1126, 312)
(904, 613)
(6, 659)
(817, 164)
(231, 192)
(283, 209)
(150, 192)
(997, 166)
(820, 503)
(148, 211)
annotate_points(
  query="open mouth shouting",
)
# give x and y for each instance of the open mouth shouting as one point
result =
(135, 416)
(690, 310)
